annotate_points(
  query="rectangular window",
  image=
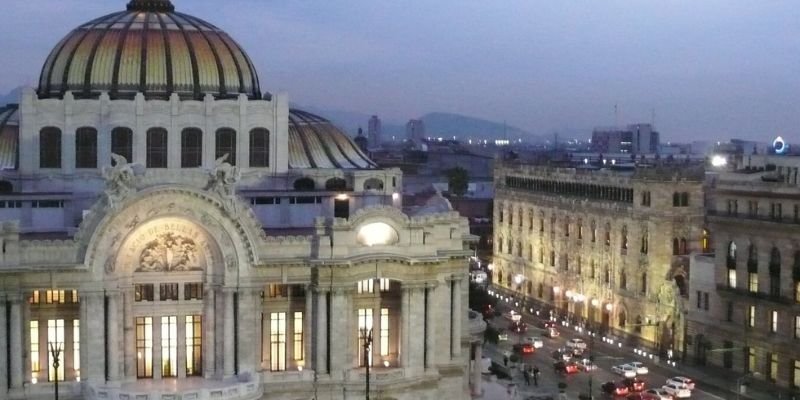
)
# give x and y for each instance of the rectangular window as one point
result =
(773, 321)
(55, 335)
(797, 213)
(729, 313)
(168, 291)
(55, 297)
(34, 332)
(796, 374)
(193, 291)
(705, 301)
(797, 327)
(752, 282)
(297, 331)
(156, 148)
(259, 148)
(34, 299)
(384, 282)
(772, 366)
(384, 332)
(143, 292)
(699, 298)
(364, 326)
(169, 346)
(751, 316)
(86, 148)
(277, 341)
(731, 278)
(750, 365)
(76, 345)
(366, 286)
(144, 347)
(194, 345)
(277, 290)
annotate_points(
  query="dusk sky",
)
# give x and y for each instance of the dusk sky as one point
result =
(711, 70)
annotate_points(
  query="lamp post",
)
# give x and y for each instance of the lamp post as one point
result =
(55, 352)
(366, 336)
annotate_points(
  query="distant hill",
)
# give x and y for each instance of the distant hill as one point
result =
(11, 97)
(463, 127)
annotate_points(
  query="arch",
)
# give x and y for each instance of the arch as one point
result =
(6, 187)
(122, 142)
(373, 184)
(157, 146)
(191, 148)
(304, 184)
(50, 147)
(335, 184)
(259, 148)
(225, 143)
(86, 147)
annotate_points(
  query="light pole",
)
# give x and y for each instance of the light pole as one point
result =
(55, 352)
(366, 336)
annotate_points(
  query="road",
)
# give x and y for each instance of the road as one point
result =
(606, 355)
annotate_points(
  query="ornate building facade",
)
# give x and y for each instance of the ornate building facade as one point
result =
(607, 247)
(171, 230)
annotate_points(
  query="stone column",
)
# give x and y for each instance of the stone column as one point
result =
(476, 370)
(209, 349)
(181, 350)
(417, 327)
(405, 331)
(308, 328)
(3, 345)
(113, 336)
(128, 335)
(229, 345)
(248, 348)
(340, 336)
(157, 348)
(321, 331)
(430, 323)
(15, 337)
(458, 316)
(92, 341)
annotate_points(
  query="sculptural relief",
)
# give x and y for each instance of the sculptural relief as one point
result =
(169, 252)
(120, 180)
(222, 181)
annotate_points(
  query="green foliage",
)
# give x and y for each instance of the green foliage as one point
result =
(458, 180)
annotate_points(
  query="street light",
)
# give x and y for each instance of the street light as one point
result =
(55, 352)
(366, 336)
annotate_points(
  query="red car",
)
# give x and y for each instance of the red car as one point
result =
(615, 389)
(565, 367)
(518, 327)
(524, 348)
(634, 384)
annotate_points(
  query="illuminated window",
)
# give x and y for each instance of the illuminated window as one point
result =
(796, 374)
(751, 316)
(797, 327)
(277, 290)
(34, 299)
(169, 346)
(384, 331)
(384, 282)
(705, 241)
(75, 298)
(751, 359)
(773, 321)
(752, 282)
(35, 367)
(55, 335)
(364, 325)
(55, 296)
(297, 331)
(277, 341)
(731, 278)
(194, 349)
(366, 286)
(772, 366)
(144, 347)
(76, 345)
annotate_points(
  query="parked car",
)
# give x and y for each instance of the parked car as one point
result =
(634, 384)
(678, 392)
(523, 349)
(681, 381)
(658, 394)
(576, 344)
(536, 341)
(614, 388)
(641, 369)
(625, 370)
(586, 365)
(565, 367)
(518, 327)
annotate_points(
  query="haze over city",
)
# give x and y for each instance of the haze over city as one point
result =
(711, 70)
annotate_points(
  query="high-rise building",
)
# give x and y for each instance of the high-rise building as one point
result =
(633, 139)
(415, 130)
(374, 131)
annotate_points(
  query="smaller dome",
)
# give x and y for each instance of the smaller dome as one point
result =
(314, 142)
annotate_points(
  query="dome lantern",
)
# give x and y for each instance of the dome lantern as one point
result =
(151, 5)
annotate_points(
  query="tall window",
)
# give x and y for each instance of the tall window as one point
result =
(86, 148)
(797, 326)
(705, 241)
(643, 286)
(277, 341)
(796, 374)
(34, 332)
(751, 359)
(580, 228)
(50, 148)
(259, 148)
(144, 347)
(364, 323)
(751, 316)
(772, 366)
(122, 143)
(594, 231)
(297, 331)
(384, 284)
(55, 334)
(752, 269)
(645, 242)
(226, 144)
(731, 264)
(191, 148)
(76, 345)
(156, 148)
(169, 346)
(608, 234)
(194, 347)
(773, 321)
(796, 276)
(775, 272)
(366, 286)
(624, 241)
(385, 330)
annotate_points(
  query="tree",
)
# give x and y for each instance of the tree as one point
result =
(458, 180)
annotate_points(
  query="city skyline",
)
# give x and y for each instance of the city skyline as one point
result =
(704, 70)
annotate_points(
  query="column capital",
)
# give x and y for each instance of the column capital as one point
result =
(413, 286)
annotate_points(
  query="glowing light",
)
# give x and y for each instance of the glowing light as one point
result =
(386, 363)
(568, 294)
(613, 162)
(300, 368)
(779, 145)
(556, 289)
(395, 196)
(377, 233)
(518, 279)
(342, 196)
(585, 160)
(490, 266)
(34, 380)
(595, 302)
(719, 161)
(609, 307)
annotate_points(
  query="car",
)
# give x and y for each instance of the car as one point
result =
(562, 354)
(536, 341)
(523, 349)
(681, 381)
(576, 344)
(565, 367)
(518, 327)
(502, 335)
(641, 369)
(614, 389)
(512, 316)
(634, 384)
(657, 394)
(551, 332)
(678, 392)
(624, 370)
(586, 365)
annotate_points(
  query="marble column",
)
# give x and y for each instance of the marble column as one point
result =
(113, 336)
(405, 331)
(181, 350)
(3, 345)
(476, 370)
(308, 328)
(15, 337)
(340, 334)
(229, 347)
(209, 348)
(93, 357)
(246, 332)
(128, 334)
(321, 334)
(417, 327)
(458, 316)
(430, 326)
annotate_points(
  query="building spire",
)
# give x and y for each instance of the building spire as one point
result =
(151, 5)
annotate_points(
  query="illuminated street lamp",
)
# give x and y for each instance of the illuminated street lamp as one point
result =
(55, 352)
(366, 336)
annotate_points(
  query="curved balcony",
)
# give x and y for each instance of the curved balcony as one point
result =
(243, 387)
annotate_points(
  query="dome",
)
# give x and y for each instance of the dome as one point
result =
(152, 49)
(314, 142)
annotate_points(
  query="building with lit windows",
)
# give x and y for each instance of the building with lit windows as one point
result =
(745, 306)
(173, 231)
(604, 247)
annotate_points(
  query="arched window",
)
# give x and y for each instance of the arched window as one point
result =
(511, 217)
(122, 142)
(752, 269)
(336, 184)
(540, 291)
(566, 226)
(191, 148)
(156, 148)
(580, 228)
(500, 245)
(607, 276)
(86, 148)
(226, 144)
(552, 225)
(608, 234)
(259, 148)
(50, 148)
(594, 231)
(304, 184)
(500, 277)
(775, 272)
(623, 281)
(541, 222)
(530, 219)
(529, 288)
(624, 241)
(684, 249)
(508, 280)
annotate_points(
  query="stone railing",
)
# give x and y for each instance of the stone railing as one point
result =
(247, 387)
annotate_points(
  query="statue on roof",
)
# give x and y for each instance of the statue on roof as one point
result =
(120, 180)
(222, 181)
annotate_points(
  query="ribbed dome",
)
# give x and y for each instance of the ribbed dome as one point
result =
(314, 142)
(152, 49)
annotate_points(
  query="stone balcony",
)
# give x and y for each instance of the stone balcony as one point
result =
(244, 387)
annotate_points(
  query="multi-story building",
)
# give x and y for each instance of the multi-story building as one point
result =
(374, 131)
(747, 316)
(604, 247)
(415, 130)
(234, 249)
(633, 139)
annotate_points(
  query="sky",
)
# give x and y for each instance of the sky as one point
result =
(704, 70)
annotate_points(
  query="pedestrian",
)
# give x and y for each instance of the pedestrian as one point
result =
(536, 376)
(505, 360)
(527, 375)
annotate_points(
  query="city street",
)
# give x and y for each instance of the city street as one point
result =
(606, 355)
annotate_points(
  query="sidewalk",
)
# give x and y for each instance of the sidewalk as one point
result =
(498, 389)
